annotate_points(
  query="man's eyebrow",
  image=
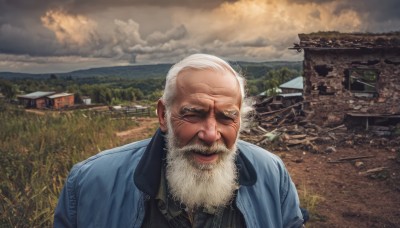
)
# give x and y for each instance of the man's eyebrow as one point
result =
(188, 109)
(231, 113)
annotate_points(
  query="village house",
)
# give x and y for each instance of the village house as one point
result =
(34, 100)
(293, 86)
(41, 99)
(353, 75)
(61, 100)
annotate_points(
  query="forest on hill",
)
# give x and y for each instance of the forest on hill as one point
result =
(121, 84)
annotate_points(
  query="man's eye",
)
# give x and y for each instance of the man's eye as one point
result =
(226, 119)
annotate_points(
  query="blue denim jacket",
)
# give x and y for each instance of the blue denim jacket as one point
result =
(110, 188)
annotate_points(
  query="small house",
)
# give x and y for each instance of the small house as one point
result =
(35, 100)
(41, 99)
(61, 100)
(293, 86)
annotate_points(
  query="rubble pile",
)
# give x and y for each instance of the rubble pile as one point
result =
(275, 111)
(279, 127)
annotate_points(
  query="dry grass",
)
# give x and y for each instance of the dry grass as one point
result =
(310, 200)
(37, 152)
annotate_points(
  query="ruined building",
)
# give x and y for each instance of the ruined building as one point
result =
(350, 75)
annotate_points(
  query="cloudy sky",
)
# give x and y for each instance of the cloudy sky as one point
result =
(64, 35)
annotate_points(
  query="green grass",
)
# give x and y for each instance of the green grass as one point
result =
(37, 152)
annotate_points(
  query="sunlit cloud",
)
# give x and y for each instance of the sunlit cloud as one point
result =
(70, 29)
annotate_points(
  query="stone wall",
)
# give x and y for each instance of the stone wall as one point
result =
(327, 94)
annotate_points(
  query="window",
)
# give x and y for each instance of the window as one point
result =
(362, 82)
(323, 70)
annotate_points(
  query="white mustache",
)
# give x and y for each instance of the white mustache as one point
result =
(202, 149)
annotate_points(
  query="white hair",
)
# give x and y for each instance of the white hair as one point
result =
(203, 62)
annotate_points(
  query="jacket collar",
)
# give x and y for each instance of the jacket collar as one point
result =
(147, 173)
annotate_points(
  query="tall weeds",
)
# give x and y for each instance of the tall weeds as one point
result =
(310, 201)
(36, 154)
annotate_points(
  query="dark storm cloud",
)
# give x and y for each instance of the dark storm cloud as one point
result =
(158, 3)
(15, 40)
(371, 10)
(28, 36)
(375, 10)
(311, 1)
(81, 31)
(21, 30)
(89, 5)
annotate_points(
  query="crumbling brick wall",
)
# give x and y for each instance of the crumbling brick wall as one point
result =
(327, 95)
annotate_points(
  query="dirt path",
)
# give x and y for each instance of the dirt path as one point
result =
(345, 195)
(146, 128)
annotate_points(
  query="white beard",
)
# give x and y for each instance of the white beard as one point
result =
(200, 185)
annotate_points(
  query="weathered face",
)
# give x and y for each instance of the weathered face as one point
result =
(205, 111)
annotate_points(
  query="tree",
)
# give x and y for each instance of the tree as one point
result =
(272, 87)
(154, 96)
(274, 78)
(8, 89)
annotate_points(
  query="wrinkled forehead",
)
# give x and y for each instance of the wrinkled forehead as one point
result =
(207, 87)
(209, 80)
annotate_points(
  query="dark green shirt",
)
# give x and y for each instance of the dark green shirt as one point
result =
(162, 211)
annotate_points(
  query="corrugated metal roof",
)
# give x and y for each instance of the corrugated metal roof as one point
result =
(270, 91)
(36, 95)
(59, 95)
(296, 83)
(290, 94)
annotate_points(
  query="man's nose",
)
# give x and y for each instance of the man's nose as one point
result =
(209, 132)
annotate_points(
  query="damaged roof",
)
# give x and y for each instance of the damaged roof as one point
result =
(296, 83)
(337, 40)
(36, 95)
(57, 95)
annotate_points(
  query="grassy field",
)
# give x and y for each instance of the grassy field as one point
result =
(37, 152)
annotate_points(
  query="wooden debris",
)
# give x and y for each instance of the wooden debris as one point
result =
(292, 142)
(351, 158)
(373, 171)
(288, 125)
(332, 129)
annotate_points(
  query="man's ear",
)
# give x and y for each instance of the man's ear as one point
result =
(161, 113)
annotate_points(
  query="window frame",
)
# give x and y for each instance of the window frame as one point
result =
(362, 80)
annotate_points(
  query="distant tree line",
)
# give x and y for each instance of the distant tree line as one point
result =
(117, 90)
(106, 90)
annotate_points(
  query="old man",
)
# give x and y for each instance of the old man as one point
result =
(194, 172)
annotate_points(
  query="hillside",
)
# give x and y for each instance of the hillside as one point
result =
(137, 72)
(250, 69)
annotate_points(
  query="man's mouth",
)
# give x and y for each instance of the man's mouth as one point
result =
(205, 158)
